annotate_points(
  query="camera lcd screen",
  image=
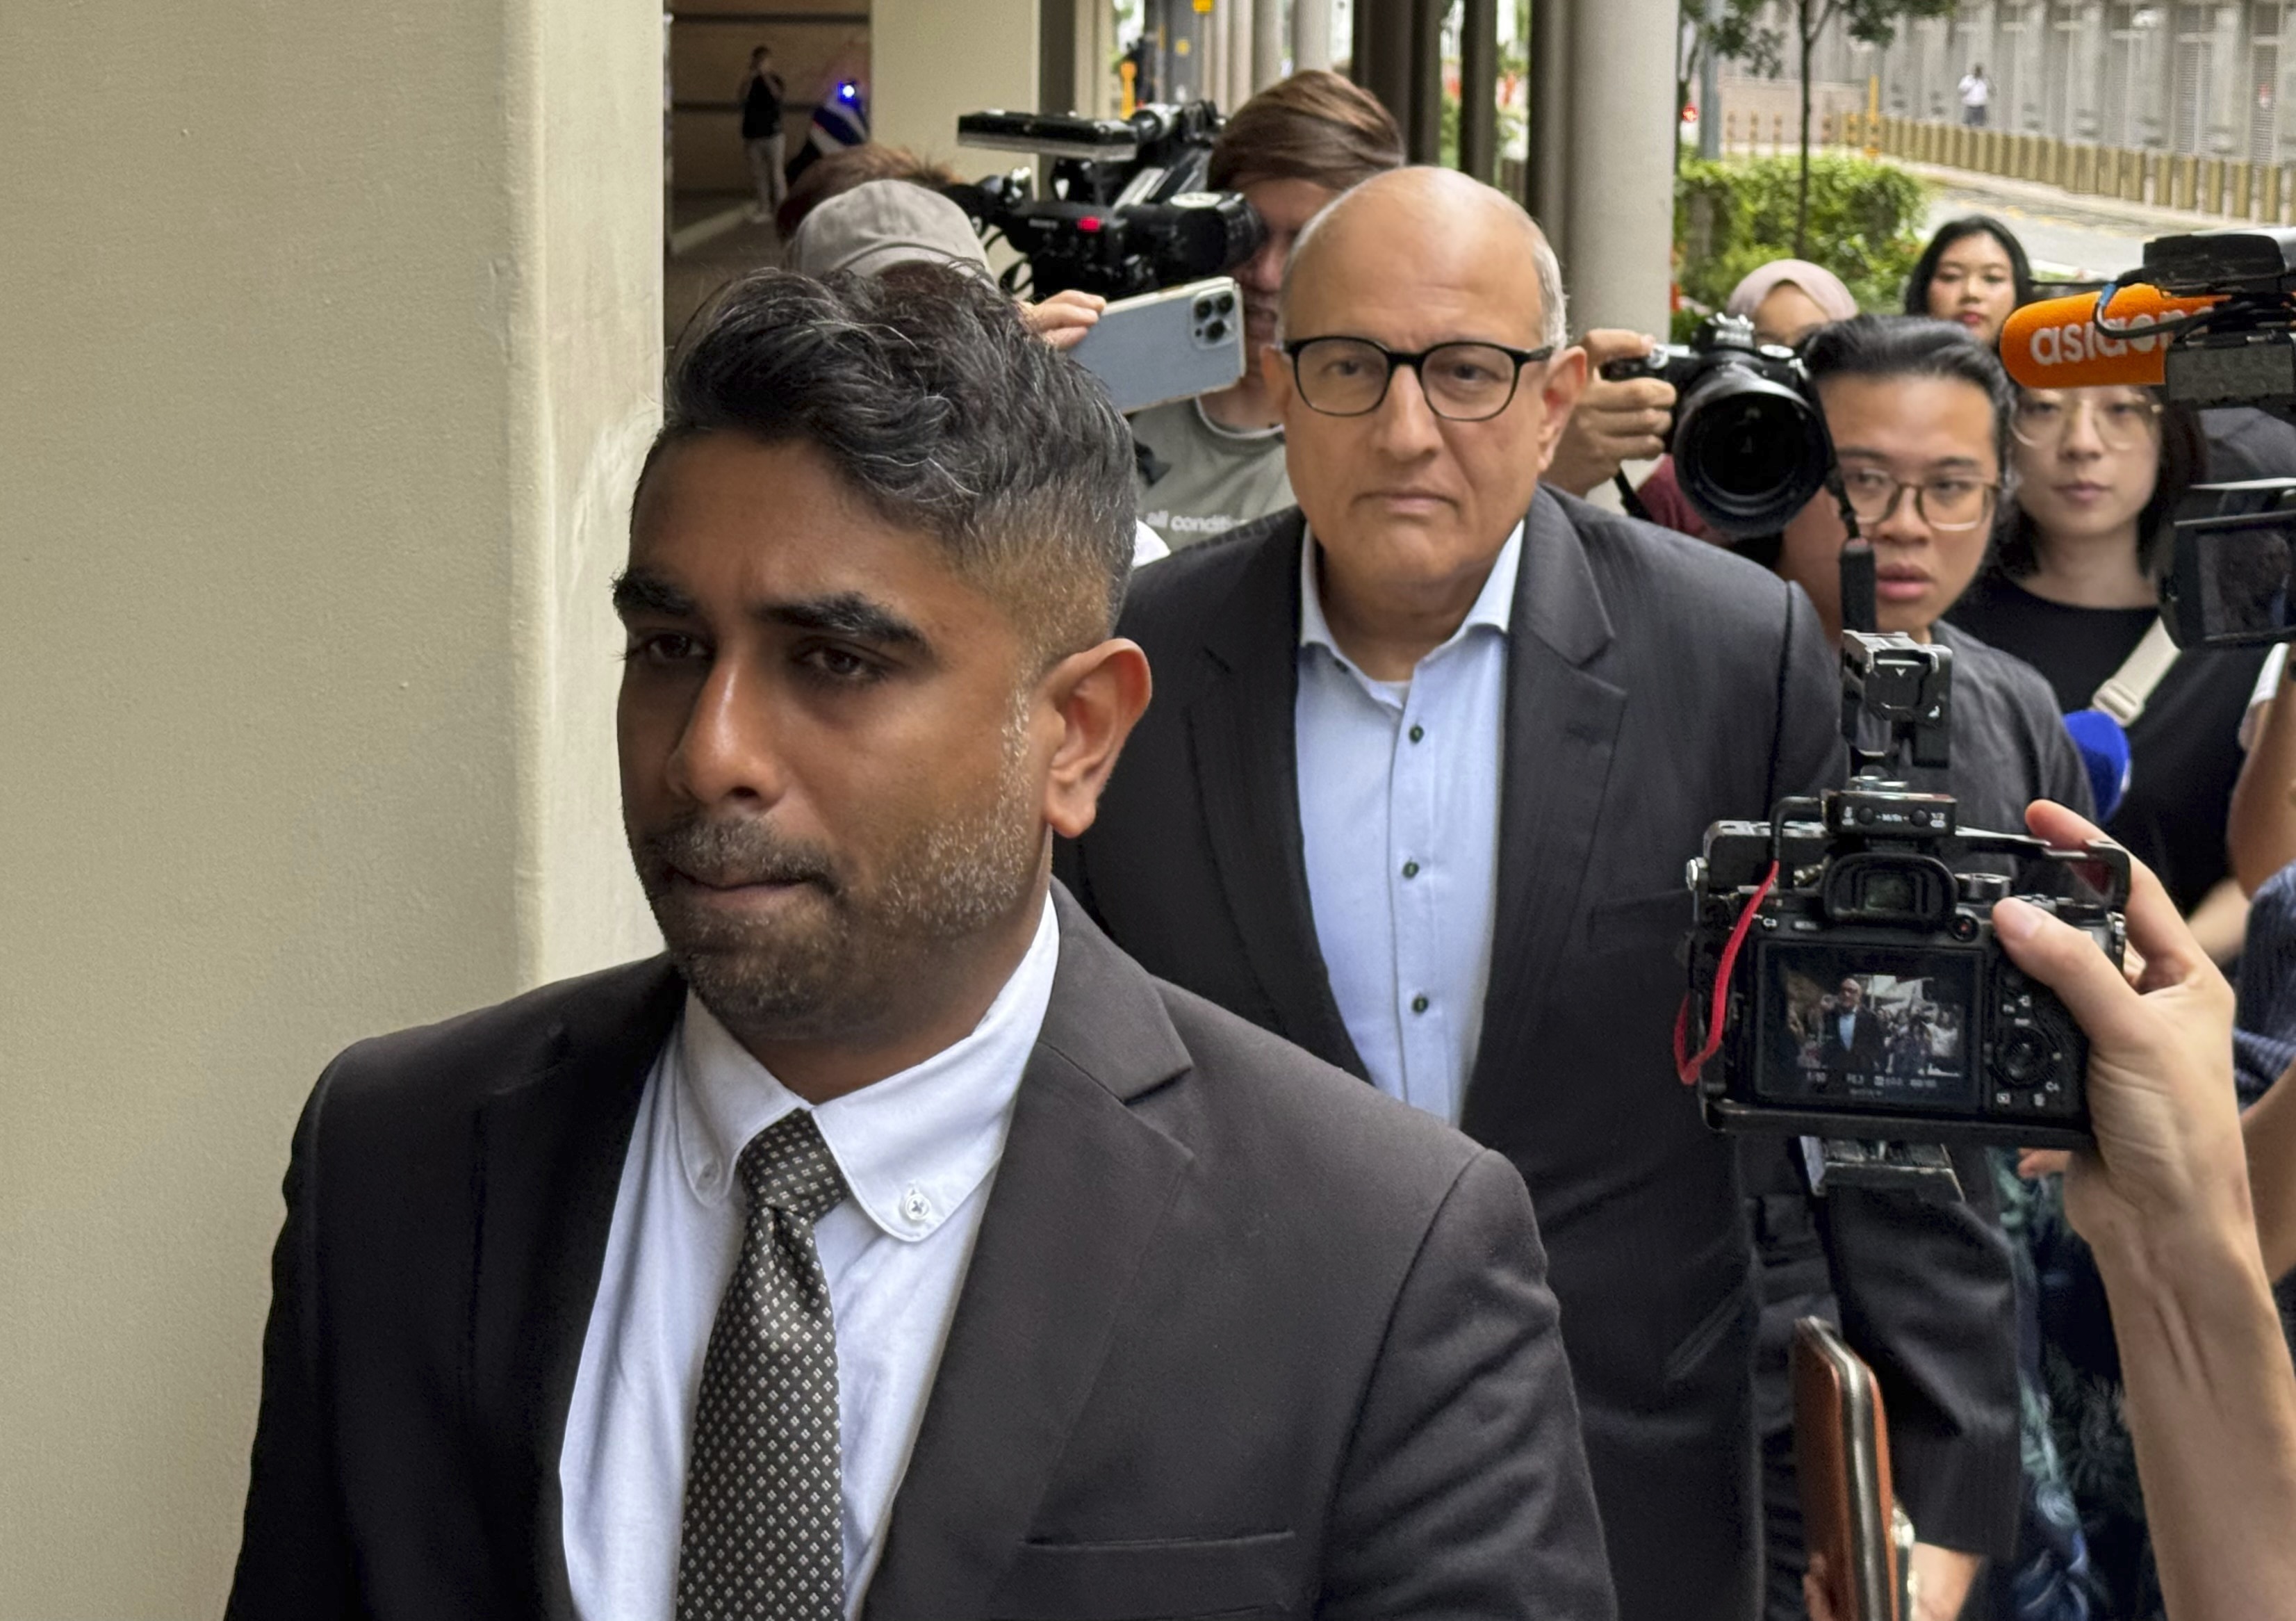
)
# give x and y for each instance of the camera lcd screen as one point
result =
(2241, 573)
(1877, 1026)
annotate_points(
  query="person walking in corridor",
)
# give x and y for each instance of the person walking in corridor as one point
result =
(762, 94)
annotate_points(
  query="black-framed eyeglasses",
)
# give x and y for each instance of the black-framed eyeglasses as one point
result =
(1950, 502)
(1343, 376)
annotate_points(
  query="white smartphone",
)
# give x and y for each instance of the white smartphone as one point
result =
(1171, 344)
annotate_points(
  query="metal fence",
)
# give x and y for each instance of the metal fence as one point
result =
(2233, 188)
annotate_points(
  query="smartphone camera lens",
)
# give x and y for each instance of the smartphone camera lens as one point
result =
(1216, 331)
(1225, 302)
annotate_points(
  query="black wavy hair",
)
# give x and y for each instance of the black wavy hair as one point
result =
(942, 412)
(1924, 272)
(1914, 346)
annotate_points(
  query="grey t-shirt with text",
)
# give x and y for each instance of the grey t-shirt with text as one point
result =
(1207, 479)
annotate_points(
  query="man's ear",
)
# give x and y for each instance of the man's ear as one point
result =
(1098, 693)
(1276, 377)
(1559, 389)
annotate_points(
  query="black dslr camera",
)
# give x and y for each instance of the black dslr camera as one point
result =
(1128, 213)
(1844, 978)
(1748, 438)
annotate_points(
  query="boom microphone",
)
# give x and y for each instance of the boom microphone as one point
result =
(2056, 343)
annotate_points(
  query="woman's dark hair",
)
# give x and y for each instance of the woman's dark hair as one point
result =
(2020, 268)
(937, 407)
(2184, 463)
(1912, 346)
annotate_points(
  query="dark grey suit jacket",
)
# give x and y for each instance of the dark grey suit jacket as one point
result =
(1655, 685)
(1238, 1337)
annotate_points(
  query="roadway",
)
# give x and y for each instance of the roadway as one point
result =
(2068, 238)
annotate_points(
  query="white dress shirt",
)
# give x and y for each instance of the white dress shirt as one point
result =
(919, 1151)
(1399, 815)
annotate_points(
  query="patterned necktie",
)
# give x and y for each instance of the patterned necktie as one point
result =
(761, 1539)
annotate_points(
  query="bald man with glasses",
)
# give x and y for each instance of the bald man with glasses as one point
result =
(1425, 760)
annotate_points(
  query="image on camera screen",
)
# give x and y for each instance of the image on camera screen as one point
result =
(2244, 569)
(1885, 1028)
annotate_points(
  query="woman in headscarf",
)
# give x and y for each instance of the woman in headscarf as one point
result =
(1786, 300)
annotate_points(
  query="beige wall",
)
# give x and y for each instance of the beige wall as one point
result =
(930, 61)
(328, 343)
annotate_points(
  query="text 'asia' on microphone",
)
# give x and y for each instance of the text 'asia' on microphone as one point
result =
(2056, 343)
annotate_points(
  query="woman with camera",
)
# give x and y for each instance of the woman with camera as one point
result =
(2073, 590)
(2166, 1200)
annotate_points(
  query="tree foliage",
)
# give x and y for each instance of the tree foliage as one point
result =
(1751, 31)
(1862, 223)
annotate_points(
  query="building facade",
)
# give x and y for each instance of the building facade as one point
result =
(2206, 79)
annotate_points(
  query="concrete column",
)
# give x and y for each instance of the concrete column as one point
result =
(1382, 53)
(332, 345)
(1311, 34)
(1547, 175)
(1236, 50)
(930, 61)
(1422, 130)
(1710, 97)
(1618, 199)
(1478, 68)
(1267, 43)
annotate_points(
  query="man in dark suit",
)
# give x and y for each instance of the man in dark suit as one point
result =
(896, 1246)
(1416, 792)
(1849, 1035)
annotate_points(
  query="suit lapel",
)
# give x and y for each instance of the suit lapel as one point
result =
(1560, 735)
(1077, 1201)
(1242, 729)
(549, 1161)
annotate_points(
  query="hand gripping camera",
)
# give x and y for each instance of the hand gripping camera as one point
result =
(1749, 439)
(1845, 981)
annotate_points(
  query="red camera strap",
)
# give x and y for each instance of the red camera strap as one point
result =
(1687, 1068)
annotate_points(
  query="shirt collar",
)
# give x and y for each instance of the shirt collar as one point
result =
(913, 1147)
(1494, 605)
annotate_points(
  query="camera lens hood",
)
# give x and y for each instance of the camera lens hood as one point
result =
(1749, 451)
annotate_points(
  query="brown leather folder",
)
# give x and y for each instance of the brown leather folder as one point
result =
(1842, 1455)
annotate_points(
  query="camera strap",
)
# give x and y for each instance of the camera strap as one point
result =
(2128, 689)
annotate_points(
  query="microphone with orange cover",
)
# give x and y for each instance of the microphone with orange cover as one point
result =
(2057, 343)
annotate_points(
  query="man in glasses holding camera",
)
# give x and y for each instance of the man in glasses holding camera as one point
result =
(1426, 758)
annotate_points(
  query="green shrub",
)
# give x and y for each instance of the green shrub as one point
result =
(1736, 215)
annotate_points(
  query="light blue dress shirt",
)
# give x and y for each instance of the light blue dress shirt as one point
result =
(1399, 815)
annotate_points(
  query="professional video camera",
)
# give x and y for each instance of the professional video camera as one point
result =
(1845, 980)
(1748, 439)
(2210, 320)
(1128, 213)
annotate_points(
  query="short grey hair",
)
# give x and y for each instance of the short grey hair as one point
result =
(1554, 328)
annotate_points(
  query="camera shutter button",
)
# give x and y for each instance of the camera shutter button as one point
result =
(1983, 888)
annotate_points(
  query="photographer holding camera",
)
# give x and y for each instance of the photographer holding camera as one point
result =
(1208, 463)
(1627, 419)
(1918, 415)
(2165, 1199)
